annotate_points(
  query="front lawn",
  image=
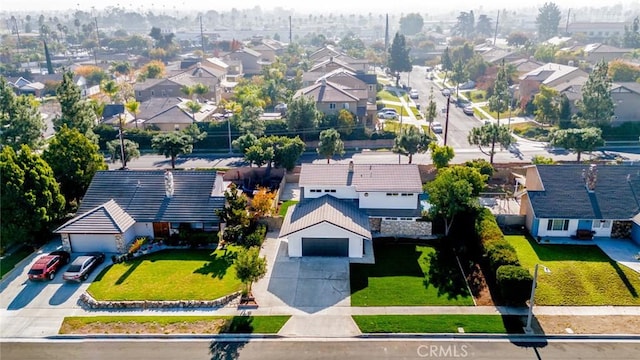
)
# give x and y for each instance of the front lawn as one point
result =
(10, 261)
(285, 206)
(172, 324)
(386, 95)
(170, 275)
(483, 324)
(580, 275)
(393, 126)
(408, 275)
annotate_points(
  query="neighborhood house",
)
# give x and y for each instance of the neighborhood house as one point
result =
(122, 205)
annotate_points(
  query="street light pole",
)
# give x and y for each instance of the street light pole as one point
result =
(401, 109)
(229, 132)
(528, 329)
(446, 121)
(121, 136)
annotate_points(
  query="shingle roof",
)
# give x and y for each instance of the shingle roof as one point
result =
(142, 195)
(325, 209)
(156, 105)
(549, 72)
(108, 218)
(374, 177)
(326, 91)
(173, 115)
(565, 195)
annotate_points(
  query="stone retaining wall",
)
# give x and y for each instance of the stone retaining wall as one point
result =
(88, 301)
(405, 227)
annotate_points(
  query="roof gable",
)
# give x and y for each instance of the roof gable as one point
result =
(108, 218)
(327, 91)
(325, 209)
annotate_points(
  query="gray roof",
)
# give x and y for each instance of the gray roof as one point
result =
(142, 195)
(156, 105)
(108, 218)
(172, 115)
(310, 212)
(373, 177)
(565, 195)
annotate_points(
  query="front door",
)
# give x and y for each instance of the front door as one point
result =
(161, 229)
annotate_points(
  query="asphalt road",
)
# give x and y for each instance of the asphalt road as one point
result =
(300, 349)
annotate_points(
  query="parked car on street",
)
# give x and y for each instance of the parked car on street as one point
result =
(82, 266)
(46, 267)
(414, 94)
(436, 127)
(468, 110)
(388, 115)
(388, 109)
(446, 92)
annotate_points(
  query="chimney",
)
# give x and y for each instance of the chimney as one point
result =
(591, 177)
(168, 183)
(351, 166)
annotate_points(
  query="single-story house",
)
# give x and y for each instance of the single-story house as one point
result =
(349, 201)
(582, 201)
(122, 205)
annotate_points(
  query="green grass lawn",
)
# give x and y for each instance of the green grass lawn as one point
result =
(408, 275)
(386, 95)
(580, 275)
(10, 261)
(170, 275)
(484, 324)
(285, 205)
(393, 126)
(234, 324)
(476, 95)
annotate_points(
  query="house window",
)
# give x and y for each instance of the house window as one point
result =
(164, 93)
(390, 218)
(330, 190)
(153, 92)
(405, 194)
(392, 194)
(558, 225)
(345, 106)
(139, 93)
(315, 190)
(602, 224)
(332, 106)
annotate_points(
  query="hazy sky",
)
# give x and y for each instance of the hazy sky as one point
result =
(323, 6)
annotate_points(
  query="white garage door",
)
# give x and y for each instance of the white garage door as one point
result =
(88, 243)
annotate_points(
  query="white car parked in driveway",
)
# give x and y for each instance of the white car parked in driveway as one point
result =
(436, 127)
(388, 115)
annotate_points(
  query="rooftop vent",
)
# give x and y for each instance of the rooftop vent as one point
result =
(591, 177)
(168, 183)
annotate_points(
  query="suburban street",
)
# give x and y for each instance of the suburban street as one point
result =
(365, 349)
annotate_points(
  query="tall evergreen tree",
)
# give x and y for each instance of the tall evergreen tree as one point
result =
(399, 60)
(20, 119)
(548, 20)
(76, 112)
(596, 104)
(302, 115)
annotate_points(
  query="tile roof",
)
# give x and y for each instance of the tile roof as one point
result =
(326, 92)
(142, 195)
(156, 105)
(108, 218)
(549, 72)
(373, 177)
(172, 115)
(328, 209)
(566, 197)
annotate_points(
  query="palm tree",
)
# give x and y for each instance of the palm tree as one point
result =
(194, 107)
(133, 107)
(187, 90)
(200, 90)
(110, 87)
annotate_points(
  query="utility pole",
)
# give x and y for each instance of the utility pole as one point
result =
(386, 39)
(95, 53)
(495, 34)
(121, 136)
(446, 121)
(202, 38)
(229, 129)
(566, 27)
(290, 32)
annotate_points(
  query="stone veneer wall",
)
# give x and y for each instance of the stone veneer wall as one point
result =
(91, 303)
(374, 224)
(405, 227)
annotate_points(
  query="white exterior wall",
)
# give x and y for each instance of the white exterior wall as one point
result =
(380, 200)
(602, 231)
(542, 229)
(130, 235)
(143, 229)
(342, 192)
(324, 230)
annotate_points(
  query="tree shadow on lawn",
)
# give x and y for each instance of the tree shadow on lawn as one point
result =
(218, 265)
(625, 280)
(445, 274)
(556, 252)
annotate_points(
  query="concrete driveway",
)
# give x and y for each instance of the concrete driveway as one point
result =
(302, 285)
(32, 309)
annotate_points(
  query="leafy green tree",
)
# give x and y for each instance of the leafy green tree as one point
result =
(234, 214)
(122, 68)
(74, 159)
(441, 155)
(193, 107)
(431, 111)
(450, 194)
(172, 144)
(76, 113)
(499, 101)
(578, 140)
(548, 20)
(484, 27)
(302, 115)
(133, 107)
(517, 39)
(483, 166)
(410, 141)
(622, 71)
(187, 90)
(286, 151)
(411, 24)
(131, 151)
(459, 74)
(20, 119)
(465, 25)
(546, 103)
(631, 37)
(249, 120)
(541, 160)
(399, 60)
(200, 90)
(346, 122)
(330, 144)
(250, 267)
(545, 52)
(447, 64)
(31, 200)
(596, 104)
(489, 135)
(110, 87)
(259, 155)
(564, 111)
(244, 142)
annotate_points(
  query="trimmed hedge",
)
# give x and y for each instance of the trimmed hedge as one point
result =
(513, 280)
(515, 283)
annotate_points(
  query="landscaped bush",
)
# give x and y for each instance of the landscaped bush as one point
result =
(501, 253)
(137, 244)
(487, 228)
(515, 283)
(256, 238)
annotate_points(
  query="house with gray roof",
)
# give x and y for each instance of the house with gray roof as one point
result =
(120, 206)
(569, 201)
(551, 75)
(343, 206)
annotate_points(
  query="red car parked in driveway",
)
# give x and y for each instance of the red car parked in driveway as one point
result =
(45, 267)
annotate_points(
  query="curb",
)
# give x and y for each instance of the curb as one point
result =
(527, 337)
(164, 336)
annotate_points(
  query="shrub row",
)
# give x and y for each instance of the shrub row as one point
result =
(513, 280)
